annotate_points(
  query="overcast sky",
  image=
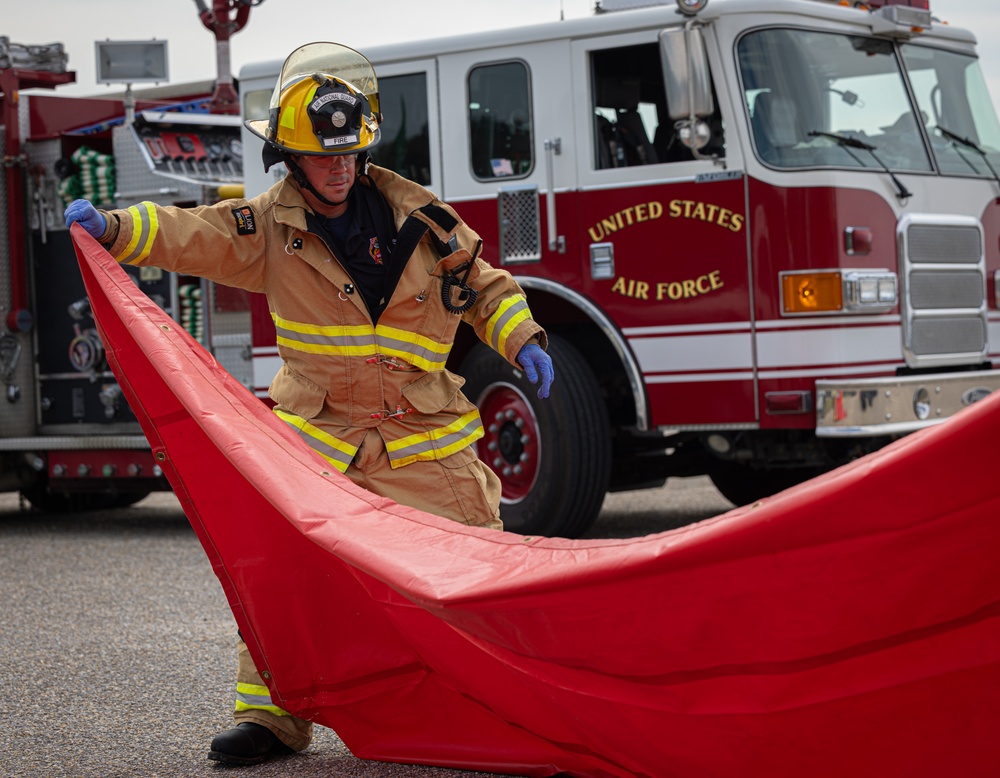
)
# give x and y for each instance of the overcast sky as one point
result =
(278, 26)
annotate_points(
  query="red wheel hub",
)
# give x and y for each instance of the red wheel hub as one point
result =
(511, 446)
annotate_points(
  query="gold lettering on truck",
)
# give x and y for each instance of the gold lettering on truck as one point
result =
(626, 217)
(676, 209)
(631, 288)
(706, 212)
(669, 290)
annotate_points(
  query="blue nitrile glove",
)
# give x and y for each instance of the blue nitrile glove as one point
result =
(536, 362)
(87, 216)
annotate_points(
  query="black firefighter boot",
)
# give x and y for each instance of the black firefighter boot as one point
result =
(247, 743)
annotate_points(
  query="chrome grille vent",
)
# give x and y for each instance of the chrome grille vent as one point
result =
(943, 279)
(945, 243)
(946, 290)
(520, 232)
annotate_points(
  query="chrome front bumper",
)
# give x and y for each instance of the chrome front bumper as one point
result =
(896, 405)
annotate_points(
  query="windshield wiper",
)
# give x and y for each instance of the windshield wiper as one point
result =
(846, 141)
(956, 138)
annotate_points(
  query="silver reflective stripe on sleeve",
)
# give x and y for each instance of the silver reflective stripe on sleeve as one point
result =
(511, 312)
(145, 225)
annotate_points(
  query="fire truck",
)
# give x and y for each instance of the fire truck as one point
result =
(763, 235)
(68, 439)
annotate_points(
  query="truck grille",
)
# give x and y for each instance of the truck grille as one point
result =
(943, 280)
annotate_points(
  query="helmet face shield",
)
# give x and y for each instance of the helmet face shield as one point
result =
(345, 63)
(325, 102)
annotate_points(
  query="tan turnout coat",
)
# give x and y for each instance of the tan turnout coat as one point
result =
(343, 375)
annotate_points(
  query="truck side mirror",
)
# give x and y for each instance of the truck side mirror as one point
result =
(686, 77)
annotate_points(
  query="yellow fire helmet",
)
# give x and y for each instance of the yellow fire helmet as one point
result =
(324, 103)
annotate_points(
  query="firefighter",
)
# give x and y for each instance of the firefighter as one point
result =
(367, 276)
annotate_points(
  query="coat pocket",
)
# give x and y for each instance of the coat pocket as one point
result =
(433, 392)
(296, 394)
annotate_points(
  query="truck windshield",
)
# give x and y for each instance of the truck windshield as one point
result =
(951, 92)
(809, 92)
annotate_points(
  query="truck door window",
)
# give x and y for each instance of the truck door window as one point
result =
(632, 126)
(809, 94)
(256, 103)
(500, 121)
(405, 147)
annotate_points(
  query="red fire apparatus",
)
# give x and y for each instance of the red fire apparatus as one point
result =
(763, 234)
(68, 439)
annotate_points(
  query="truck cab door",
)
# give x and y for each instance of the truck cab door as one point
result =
(662, 244)
(509, 162)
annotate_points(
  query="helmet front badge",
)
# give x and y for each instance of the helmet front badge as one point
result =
(336, 116)
(324, 102)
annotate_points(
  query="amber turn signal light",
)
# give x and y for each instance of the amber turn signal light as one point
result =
(812, 292)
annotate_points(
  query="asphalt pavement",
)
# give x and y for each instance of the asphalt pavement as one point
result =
(118, 650)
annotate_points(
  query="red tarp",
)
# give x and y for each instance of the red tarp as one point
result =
(848, 627)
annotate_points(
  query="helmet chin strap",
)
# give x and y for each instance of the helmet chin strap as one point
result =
(303, 181)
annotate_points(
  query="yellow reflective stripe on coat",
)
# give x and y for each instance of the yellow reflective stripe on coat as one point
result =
(145, 225)
(436, 444)
(362, 340)
(332, 449)
(336, 340)
(511, 312)
(250, 696)
(425, 353)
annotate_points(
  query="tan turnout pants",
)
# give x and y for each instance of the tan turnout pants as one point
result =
(460, 488)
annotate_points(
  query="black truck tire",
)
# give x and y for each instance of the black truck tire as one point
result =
(552, 455)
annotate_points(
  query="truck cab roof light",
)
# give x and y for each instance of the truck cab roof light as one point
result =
(691, 7)
(909, 17)
(917, 19)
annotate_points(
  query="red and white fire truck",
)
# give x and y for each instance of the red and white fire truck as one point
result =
(762, 234)
(68, 439)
